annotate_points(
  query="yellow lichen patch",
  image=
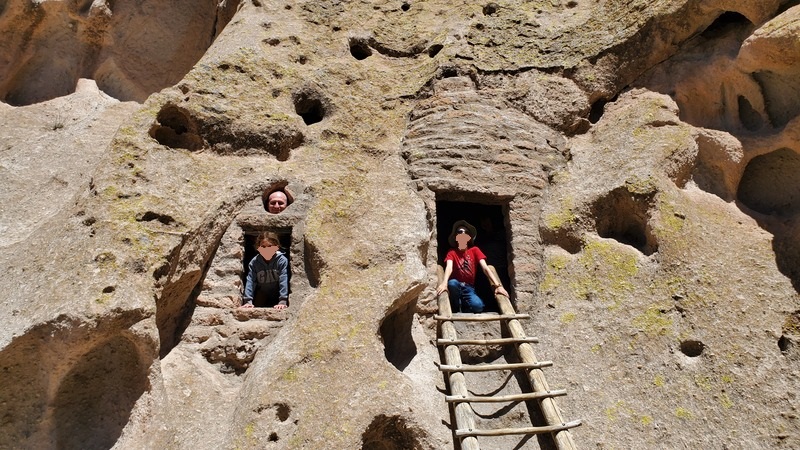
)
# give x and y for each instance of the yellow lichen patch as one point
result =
(659, 381)
(703, 382)
(565, 215)
(636, 185)
(554, 265)
(596, 348)
(608, 273)
(290, 375)
(646, 420)
(683, 413)
(567, 317)
(653, 322)
(725, 401)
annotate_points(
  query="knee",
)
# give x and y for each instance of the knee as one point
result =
(452, 283)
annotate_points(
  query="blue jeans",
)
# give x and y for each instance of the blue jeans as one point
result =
(463, 297)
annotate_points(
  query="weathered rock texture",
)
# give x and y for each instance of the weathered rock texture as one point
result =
(637, 164)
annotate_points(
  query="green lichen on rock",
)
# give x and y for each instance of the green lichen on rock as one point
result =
(564, 216)
(607, 273)
(653, 322)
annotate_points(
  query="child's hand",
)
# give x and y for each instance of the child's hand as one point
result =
(279, 306)
(500, 290)
(247, 305)
(442, 287)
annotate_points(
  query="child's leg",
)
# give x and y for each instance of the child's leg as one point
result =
(454, 291)
(471, 299)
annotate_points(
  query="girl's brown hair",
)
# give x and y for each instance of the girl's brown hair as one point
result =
(268, 236)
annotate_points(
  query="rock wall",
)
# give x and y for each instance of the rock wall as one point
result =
(639, 156)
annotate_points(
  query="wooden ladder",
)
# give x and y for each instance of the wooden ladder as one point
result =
(453, 369)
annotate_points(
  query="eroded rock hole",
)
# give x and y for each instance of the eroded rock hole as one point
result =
(492, 238)
(597, 110)
(360, 49)
(94, 401)
(309, 106)
(405, 6)
(624, 217)
(176, 128)
(749, 117)
(781, 96)
(273, 437)
(389, 433)
(726, 22)
(692, 348)
(395, 330)
(434, 50)
(784, 344)
(313, 263)
(490, 9)
(771, 185)
(150, 216)
(282, 411)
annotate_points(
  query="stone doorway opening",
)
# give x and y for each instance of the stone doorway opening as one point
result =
(491, 222)
(249, 250)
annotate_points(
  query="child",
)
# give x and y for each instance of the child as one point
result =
(461, 262)
(268, 276)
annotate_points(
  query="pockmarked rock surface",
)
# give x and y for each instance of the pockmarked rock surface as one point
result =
(636, 163)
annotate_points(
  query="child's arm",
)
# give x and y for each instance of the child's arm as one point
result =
(250, 286)
(283, 283)
(497, 284)
(448, 270)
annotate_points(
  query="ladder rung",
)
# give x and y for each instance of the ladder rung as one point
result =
(528, 430)
(490, 367)
(487, 341)
(469, 317)
(504, 398)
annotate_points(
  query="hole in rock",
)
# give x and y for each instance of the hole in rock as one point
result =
(770, 183)
(389, 433)
(359, 48)
(597, 110)
(784, 344)
(398, 344)
(51, 49)
(175, 128)
(692, 348)
(109, 289)
(312, 263)
(273, 437)
(309, 106)
(492, 238)
(150, 216)
(282, 411)
(405, 7)
(749, 117)
(623, 216)
(781, 96)
(434, 50)
(725, 23)
(449, 72)
(94, 400)
(490, 9)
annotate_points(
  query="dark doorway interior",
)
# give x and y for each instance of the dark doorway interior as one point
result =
(492, 239)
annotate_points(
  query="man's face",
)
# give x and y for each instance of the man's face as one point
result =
(276, 202)
(462, 238)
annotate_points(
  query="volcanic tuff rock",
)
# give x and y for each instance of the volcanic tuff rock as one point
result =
(636, 160)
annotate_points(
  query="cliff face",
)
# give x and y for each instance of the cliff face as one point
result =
(636, 161)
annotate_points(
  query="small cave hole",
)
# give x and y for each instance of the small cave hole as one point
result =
(770, 184)
(692, 348)
(726, 22)
(309, 106)
(597, 110)
(109, 289)
(406, 6)
(395, 331)
(282, 411)
(749, 117)
(784, 344)
(175, 128)
(449, 72)
(490, 8)
(624, 217)
(150, 216)
(434, 50)
(389, 433)
(359, 49)
(273, 437)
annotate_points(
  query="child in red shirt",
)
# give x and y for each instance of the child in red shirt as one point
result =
(461, 262)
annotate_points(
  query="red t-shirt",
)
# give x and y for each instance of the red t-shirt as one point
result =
(464, 263)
